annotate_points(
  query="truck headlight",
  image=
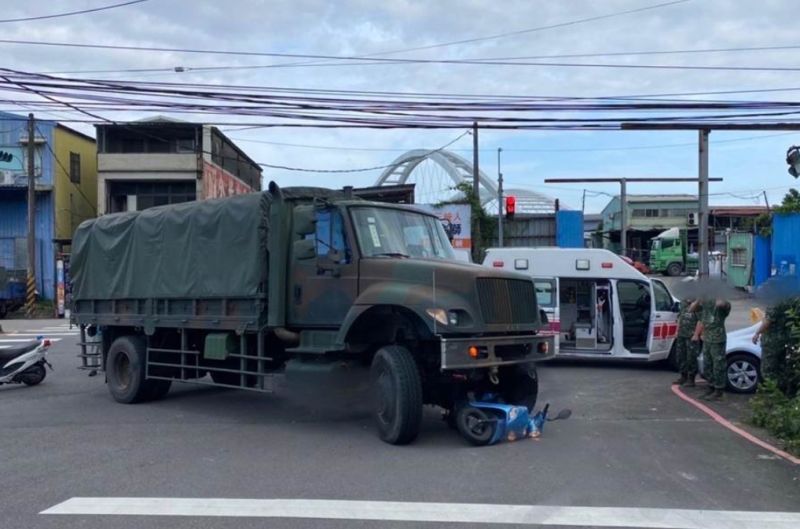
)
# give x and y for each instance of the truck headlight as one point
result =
(440, 315)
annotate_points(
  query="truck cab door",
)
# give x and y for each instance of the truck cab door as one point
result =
(664, 321)
(323, 288)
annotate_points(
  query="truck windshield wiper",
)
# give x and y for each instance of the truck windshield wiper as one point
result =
(391, 254)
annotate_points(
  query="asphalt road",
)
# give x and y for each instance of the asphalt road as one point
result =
(630, 443)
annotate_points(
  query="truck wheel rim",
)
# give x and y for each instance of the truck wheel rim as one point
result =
(386, 397)
(122, 368)
(742, 375)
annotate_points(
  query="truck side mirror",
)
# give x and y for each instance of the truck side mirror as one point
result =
(543, 317)
(304, 249)
(304, 219)
(676, 307)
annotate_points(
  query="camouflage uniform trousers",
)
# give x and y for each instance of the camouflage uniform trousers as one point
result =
(715, 365)
(686, 352)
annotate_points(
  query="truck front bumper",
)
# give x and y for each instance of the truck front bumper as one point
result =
(490, 351)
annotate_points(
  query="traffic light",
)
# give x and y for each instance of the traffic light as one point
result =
(511, 207)
(793, 159)
(6, 156)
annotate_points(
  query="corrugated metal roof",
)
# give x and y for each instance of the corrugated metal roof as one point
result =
(738, 210)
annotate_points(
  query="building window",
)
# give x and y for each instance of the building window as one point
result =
(739, 257)
(75, 168)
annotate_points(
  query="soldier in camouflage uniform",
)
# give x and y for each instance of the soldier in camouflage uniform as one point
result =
(711, 328)
(686, 350)
(774, 335)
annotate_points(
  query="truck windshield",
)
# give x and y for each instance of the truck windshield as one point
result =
(393, 232)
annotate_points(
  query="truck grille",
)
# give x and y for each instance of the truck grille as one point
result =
(506, 300)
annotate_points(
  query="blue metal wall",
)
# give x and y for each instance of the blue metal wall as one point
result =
(569, 229)
(785, 243)
(13, 201)
(762, 260)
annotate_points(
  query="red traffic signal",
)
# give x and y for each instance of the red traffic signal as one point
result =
(511, 207)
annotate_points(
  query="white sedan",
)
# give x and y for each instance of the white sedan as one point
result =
(744, 360)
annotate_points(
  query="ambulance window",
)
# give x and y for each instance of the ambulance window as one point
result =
(545, 293)
(663, 299)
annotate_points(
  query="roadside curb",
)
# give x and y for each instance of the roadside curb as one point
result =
(732, 427)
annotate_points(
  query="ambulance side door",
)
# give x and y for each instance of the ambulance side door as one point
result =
(664, 323)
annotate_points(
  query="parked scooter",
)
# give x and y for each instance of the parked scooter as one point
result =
(25, 364)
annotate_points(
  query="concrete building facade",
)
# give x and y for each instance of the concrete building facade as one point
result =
(161, 161)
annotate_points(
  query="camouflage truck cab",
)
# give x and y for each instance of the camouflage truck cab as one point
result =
(244, 288)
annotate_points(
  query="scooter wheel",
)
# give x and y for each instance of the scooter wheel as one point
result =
(476, 426)
(33, 375)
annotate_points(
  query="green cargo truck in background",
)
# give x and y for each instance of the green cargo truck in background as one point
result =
(235, 291)
(669, 253)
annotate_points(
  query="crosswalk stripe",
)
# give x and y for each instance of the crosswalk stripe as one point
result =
(23, 340)
(431, 512)
(35, 334)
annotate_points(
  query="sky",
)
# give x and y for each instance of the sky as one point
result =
(749, 162)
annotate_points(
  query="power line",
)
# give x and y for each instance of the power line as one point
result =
(72, 13)
(575, 149)
(390, 52)
(363, 169)
(488, 61)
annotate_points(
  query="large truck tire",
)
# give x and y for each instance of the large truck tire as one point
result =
(125, 371)
(397, 390)
(519, 385)
(674, 269)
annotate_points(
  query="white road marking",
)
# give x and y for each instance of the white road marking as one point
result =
(35, 334)
(23, 340)
(431, 512)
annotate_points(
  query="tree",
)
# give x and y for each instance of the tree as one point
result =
(790, 204)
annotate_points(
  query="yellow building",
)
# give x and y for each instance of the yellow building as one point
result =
(74, 182)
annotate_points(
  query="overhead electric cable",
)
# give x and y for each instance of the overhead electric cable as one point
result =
(72, 13)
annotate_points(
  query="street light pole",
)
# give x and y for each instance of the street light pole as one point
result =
(623, 228)
(499, 200)
(476, 193)
(702, 191)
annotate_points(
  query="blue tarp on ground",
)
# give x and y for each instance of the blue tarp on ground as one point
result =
(569, 229)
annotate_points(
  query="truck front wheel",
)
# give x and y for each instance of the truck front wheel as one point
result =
(519, 385)
(674, 269)
(397, 390)
(125, 370)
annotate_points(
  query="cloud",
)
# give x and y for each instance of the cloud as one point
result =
(356, 27)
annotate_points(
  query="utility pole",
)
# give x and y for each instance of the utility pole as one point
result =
(766, 201)
(702, 190)
(476, 186)
(583, 202)
(30, 293)
(499, 200)
(623, 212)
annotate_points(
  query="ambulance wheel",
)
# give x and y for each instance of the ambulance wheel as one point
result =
(519, 385)
(476, 426)
(397, 389)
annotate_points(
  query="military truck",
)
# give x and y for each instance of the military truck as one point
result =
(236, 291)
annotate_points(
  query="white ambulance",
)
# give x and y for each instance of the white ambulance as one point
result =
(598, 305)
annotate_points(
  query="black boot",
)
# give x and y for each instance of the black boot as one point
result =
(717, 396)
(689, 381)
(680, 380)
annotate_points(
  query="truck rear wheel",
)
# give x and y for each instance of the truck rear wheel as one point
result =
(397, 390)
(125, 370)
